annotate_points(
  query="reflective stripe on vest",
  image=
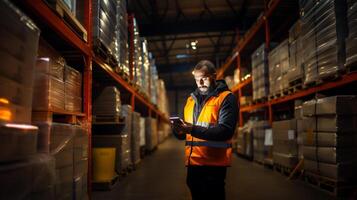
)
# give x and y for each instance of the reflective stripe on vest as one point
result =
(213, 144)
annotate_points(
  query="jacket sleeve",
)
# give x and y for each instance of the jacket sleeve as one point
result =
(227, 120)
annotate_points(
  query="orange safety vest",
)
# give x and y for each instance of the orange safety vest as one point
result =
(203, 152)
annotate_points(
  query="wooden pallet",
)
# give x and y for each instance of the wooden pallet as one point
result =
(57, 116)
(108, 119)
(68, 17)
(297, 81)
(295, 88)
(106, 185)
(102, 51)
(331, 186)
(286, 171)
(261, 100)
(332, 77)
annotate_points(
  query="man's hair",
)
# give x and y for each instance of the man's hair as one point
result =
(206, 65)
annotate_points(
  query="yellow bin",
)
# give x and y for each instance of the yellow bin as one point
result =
(103, 164)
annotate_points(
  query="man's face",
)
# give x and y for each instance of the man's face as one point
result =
(203, 80)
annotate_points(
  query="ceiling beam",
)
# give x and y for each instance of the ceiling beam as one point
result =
(189, 37)
(191, 26)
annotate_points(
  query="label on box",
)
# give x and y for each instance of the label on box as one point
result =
(291, 134)
(268, 137)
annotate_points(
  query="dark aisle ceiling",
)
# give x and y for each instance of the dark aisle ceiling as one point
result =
(182, 32)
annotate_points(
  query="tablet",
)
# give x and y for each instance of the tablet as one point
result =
(176, 120)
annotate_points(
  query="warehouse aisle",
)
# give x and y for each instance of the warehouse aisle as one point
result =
(161, 176)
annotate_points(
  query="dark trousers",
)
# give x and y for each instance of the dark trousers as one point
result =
(206, 182)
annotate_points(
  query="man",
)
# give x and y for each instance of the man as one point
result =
(210, 117)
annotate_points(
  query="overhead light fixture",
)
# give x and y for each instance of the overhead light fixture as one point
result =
(181, 56)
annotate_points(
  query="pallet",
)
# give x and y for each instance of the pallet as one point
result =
(286, 171)
(332, 77)
(331, 186)
(297, 81)
(101, 50)
(276, 95)
(108, 185)
(295, 88)
(261, 100)
(57, 116)
(268, 163)
(259, 162)
(68, 17)
(108, 119)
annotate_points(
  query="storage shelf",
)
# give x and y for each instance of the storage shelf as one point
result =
(248, 36)
(345, 79)
(53, 20)
(128, 87)
(241, 84)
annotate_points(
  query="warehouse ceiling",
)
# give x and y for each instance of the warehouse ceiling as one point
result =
(182, 32)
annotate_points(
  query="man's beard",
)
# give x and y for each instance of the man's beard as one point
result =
(205, 92)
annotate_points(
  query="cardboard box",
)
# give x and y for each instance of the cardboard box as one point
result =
(330, 154)
(325, 139)
(341, 171)
(17, 142)
(339, 105)
(286, 160)
(34, 175)
(334, 123)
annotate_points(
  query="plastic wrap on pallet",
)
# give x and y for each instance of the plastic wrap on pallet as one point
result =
(145, 68)
(142, 132)
(31, 178)
(17, 141)
(261, 150)
(278, 68)
(122, 36)
(260, 71)
(80, 188)
(57, 139)
(18, 33)
(323, 32)
(351, 47)
(50, 61)
(49, 93)
(108, 102)
(104, 23)
(295, 71)
(153, 81)
(151, 139)
(135, 138)
(162, 101)
(16, 100)
(80, 152)
(121, 144)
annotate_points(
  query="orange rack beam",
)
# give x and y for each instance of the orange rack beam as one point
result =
(241, 85)
(346, 79)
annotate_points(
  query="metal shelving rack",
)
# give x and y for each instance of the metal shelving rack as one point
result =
(263, 21)
(54, 22)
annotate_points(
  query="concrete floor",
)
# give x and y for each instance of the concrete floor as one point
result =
(161, 176)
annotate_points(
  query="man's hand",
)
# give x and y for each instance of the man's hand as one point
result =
(182, 128)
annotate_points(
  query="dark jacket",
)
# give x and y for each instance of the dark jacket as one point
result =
(227, 118)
